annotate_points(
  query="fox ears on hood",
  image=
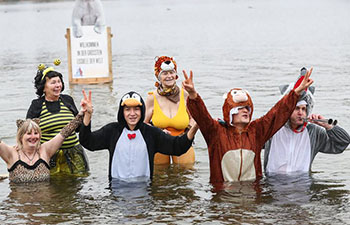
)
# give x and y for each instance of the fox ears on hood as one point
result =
(307, 96)
(284, 89)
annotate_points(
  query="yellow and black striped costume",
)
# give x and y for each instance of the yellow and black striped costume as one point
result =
(71, 158)
(52, 123)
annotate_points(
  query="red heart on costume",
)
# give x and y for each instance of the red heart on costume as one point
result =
(131, 136)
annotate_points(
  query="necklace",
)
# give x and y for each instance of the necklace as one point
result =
(30, 159)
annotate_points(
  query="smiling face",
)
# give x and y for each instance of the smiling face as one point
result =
(297, 117)
(28, 135)
(132, 115)
(168, 78)
(31, 139)
(53, 88)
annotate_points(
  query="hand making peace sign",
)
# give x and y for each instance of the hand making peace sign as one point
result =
(188, 85)
(307, 81)
(86, 103)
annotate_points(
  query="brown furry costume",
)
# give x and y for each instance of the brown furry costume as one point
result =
(235, 155)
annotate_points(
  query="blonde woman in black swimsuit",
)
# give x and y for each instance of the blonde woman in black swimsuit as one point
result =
(28, 161)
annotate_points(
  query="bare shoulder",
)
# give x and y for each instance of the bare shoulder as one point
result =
(149, 99)
(149, 107)
(8, 153)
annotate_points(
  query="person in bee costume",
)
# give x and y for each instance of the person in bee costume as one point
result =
(235, 146)
(55, 110)
(131, 143)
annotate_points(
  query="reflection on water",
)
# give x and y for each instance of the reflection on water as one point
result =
(303, 188)
(242, 193)
(129, 191)
(303, 198)
(174, 196)
(286, 189)
(131, 198)
(43, 202)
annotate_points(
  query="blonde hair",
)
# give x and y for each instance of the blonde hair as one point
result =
(27, 126)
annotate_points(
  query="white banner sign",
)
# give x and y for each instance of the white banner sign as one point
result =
(89, 54)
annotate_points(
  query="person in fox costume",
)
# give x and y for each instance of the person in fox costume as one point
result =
(234, 146)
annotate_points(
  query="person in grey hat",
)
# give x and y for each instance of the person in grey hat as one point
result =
(294, 147)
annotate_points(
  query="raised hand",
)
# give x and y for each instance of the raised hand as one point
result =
(193, 130)
(307, 81)
(86, 103)
(188, 85)
(320, 120)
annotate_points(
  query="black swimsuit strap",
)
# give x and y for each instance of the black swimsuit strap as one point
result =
(30, 167)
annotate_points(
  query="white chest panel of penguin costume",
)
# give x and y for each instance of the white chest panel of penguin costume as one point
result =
(130, 159)
(289, 152)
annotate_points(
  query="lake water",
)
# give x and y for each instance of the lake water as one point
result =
(257, 45)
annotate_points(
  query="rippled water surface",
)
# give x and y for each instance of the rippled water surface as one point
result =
(257, 45)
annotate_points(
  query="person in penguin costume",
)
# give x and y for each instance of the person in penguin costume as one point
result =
(235, 146)
(294, 147)
(131, 143)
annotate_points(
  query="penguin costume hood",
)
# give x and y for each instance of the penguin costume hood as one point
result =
(131, 99)
(236, 99)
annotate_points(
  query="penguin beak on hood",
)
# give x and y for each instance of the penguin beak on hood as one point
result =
(131, 102)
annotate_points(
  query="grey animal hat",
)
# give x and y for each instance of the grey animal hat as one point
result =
(307, 97)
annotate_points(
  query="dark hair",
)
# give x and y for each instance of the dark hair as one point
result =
(39, 83)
